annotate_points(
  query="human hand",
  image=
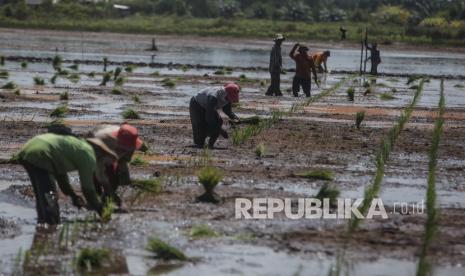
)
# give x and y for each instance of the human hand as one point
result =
(78, 201)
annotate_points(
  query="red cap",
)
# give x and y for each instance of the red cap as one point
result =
(232, 92)
(127, 137)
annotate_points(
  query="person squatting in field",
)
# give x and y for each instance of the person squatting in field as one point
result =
(205, 119)
(320, 60)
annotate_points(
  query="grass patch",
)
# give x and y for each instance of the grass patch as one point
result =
(119, 81)
(74, 67)
(219, 72)
(138, 161)
(414, 87)
(155, 74)
(136, 99)
(74, 78)
(38, 80)
(260, 150)
(92, 258)
(317, 175)
(202, 231)
(412, 79)
(152, 185)
(254, 120)
(91, 74)
(60, 111)
(64, 96)
(129, 69)
(9, 85)
(459, 85)
(351, 94)
(118, 71)
(130, 114)
(17, 92)
(23, 65)
(62, 72)
(4, 74)
(165, 251)
(116, 91)
(56, 62)
(359, 117)
(105, 79)
(168, 83)
(386, 96)
(326, 191)
(108, 210)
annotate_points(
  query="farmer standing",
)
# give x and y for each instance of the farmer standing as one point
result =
(276, 67)
(205, 119)
(375, 57)
(304, 67)
(320, 59)
(124, 141)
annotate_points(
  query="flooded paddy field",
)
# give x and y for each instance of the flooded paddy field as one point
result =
(321, 134)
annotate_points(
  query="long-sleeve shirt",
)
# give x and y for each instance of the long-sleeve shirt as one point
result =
(213, 99)
(60, 154)
(276, 60)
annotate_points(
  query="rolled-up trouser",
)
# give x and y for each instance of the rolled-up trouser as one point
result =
(203, 127)
(274, 88)
(46, 194)
(306, 84)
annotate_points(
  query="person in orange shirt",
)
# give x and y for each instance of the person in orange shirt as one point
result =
(320, 59)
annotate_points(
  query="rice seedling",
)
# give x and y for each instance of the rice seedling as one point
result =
(74, 78)
(431, 224)
(108, 210)
(369, 90)
(243, 77)
(23, 65)
(2, 60)
(62, 72)
(9, 85)
(4, 74)
(155, 74)
(129, 69)
(393, 90)
(91, 74)
(117, 72)
(317, 175)
(412, 79)
(202, 231)
(136, 99)
(414, 87)
(74, 67)
(184, 68)
(254, 120)
(17, 92)
(64, 96)
(331, 193)
(382, 156)
(92, 258)
(116, 91)
(38, 80)
(152, 185)
(138, 161)
(130, 114)
(105, 64)
(260, 150)
(165, 251)
(106, 78)
(351, 93)
(56, 62)
(168, 83)
(219, 72)
(386, 96)
(53, 79)
(229, 70)
(359, 117)
(262, 83)
(59, 111)
(209, 177)
(366, 84)
(119, 81)
(458, 85)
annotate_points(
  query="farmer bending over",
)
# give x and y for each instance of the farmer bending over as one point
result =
(320, 60)
(49, 157)
(304, 66)
(205, 119)
(124, 141)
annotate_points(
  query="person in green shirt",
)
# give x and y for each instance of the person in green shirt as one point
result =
(49, 157)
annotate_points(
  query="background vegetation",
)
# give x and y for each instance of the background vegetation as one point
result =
(424, 21)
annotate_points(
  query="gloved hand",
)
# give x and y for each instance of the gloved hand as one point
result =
(224, 134)
(78, 201)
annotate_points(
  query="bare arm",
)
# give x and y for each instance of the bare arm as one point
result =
(291, 54)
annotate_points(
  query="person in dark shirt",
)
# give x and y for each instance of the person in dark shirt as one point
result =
(276, 67)
(205, 119)
(375, 57)
(304, 67)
